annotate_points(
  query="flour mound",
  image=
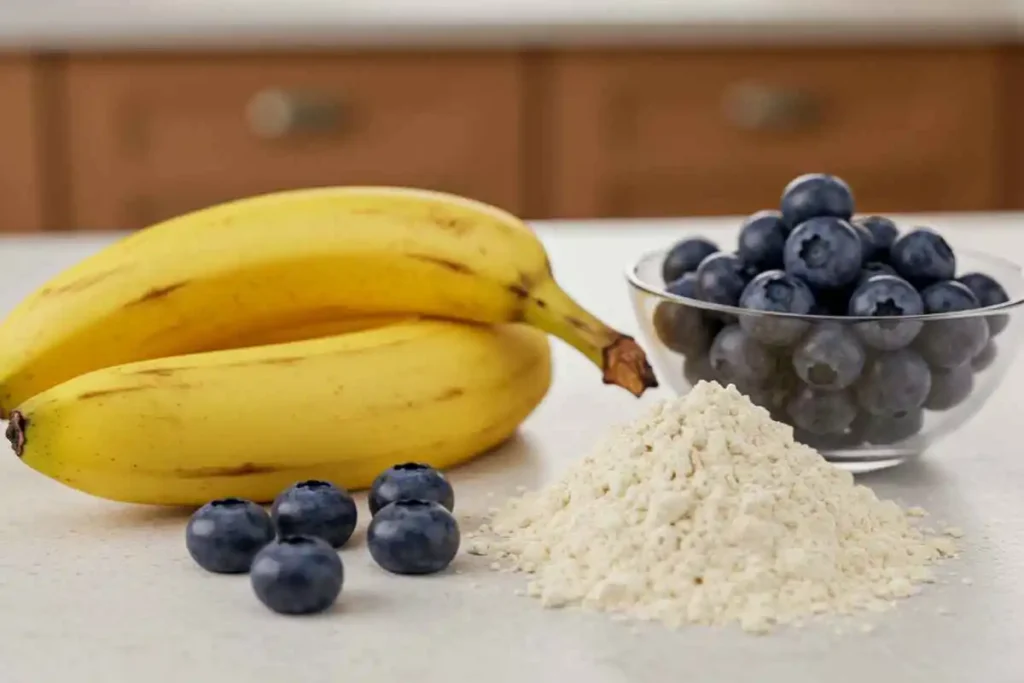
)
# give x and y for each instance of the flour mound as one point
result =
(706, 511)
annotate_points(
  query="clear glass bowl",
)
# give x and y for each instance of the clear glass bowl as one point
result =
(867, 425)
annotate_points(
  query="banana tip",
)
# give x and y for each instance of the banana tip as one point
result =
(625, 364)
(16, 426)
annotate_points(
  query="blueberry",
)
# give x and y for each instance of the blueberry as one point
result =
(315, 508)
(413, 537)
(822, 412)
(946, 344)
(682, 328)
(721, 278)
(224, 535)
(297, 575)
(814, 195)
(773, 394)
(685, 256)
(948, 296)
(830, 358)
(774, 290)
(922, 257)
(872, 269)
(736, 358)
(824, 252)
(989, 293)
(762, 238)
(883, 430)
(894, 383)
(413, 481)
(985, 357)
(883, 233)
(886, 296)
(950, 387)
(697, 367)
(867, 242)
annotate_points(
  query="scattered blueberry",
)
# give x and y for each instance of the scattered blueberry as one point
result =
(814, 195)
(822, 412)
(682, 328)
(950, 387)
(872, 269)
(736, 358)
(297, 575)
(224, 535)
(685, 256)
(989, 293)
(413, 537)
(775, 291)
(721, 278)
(888, 429)
(922, 257)
(886, 296)
(883, 233)
(824, 252)
(894, 383)
(315, 508)
(830, 358)
(410, 481)
(762, 238)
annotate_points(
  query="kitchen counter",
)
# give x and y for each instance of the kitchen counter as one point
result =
(93, 591)
(114, 24)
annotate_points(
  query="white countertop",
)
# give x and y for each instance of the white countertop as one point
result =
(92, 591)
(142, 24)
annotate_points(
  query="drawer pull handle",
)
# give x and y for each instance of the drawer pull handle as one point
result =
(276, 113)
(756, 107)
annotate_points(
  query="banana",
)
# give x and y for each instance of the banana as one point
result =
(301, 259)
(249, 422)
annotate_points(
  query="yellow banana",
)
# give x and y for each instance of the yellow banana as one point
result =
(249, 422)
(296, 259)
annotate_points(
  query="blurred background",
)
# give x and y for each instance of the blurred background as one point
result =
(117, 114)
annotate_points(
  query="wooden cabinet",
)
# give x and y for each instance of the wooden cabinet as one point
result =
(153, 137)
(21, 181)
(1013, 89)
(707, 132)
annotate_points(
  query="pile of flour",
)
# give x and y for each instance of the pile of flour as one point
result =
(706, 511)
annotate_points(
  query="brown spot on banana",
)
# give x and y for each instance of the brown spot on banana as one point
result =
(157, 293)
(110, 392)
(80, 284)
(159, 372)
(447, 264)
(243, 470)
(17, 427)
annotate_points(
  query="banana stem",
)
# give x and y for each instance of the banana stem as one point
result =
(620, 358)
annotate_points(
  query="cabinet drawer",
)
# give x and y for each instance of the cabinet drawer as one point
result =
(21, 191)
(155, 137)
(715, 132)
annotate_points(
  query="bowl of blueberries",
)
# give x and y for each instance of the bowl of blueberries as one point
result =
(870, 339)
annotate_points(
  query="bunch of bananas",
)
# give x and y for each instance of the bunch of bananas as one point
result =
(323, 333)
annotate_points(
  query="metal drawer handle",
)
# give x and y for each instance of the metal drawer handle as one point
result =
(757, 107)
(276, 113)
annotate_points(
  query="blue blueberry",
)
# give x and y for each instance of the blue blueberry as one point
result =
(697, 367)
(413, 537)
(830, 358)
(685, 256)
(315, 508)
(736, 358)
(984, 357)
(775, 291)
(822, 412)
(894, 383)
(413, 481)
(762, 238)
(989, 293)
(867, 241)
(721, 278)
(774, 393)
(886, 296)
(889, 429)
(814, 195)
(872, 269)
(224, 535)
(297, 575)
(945, 344)
(883, 233)
(922, 257)
(682, 328)
(948, 296)
(950, 387)
(824, 252)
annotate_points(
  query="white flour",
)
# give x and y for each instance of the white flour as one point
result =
(706, 511)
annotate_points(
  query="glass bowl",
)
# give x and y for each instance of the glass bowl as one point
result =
(866, 414)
